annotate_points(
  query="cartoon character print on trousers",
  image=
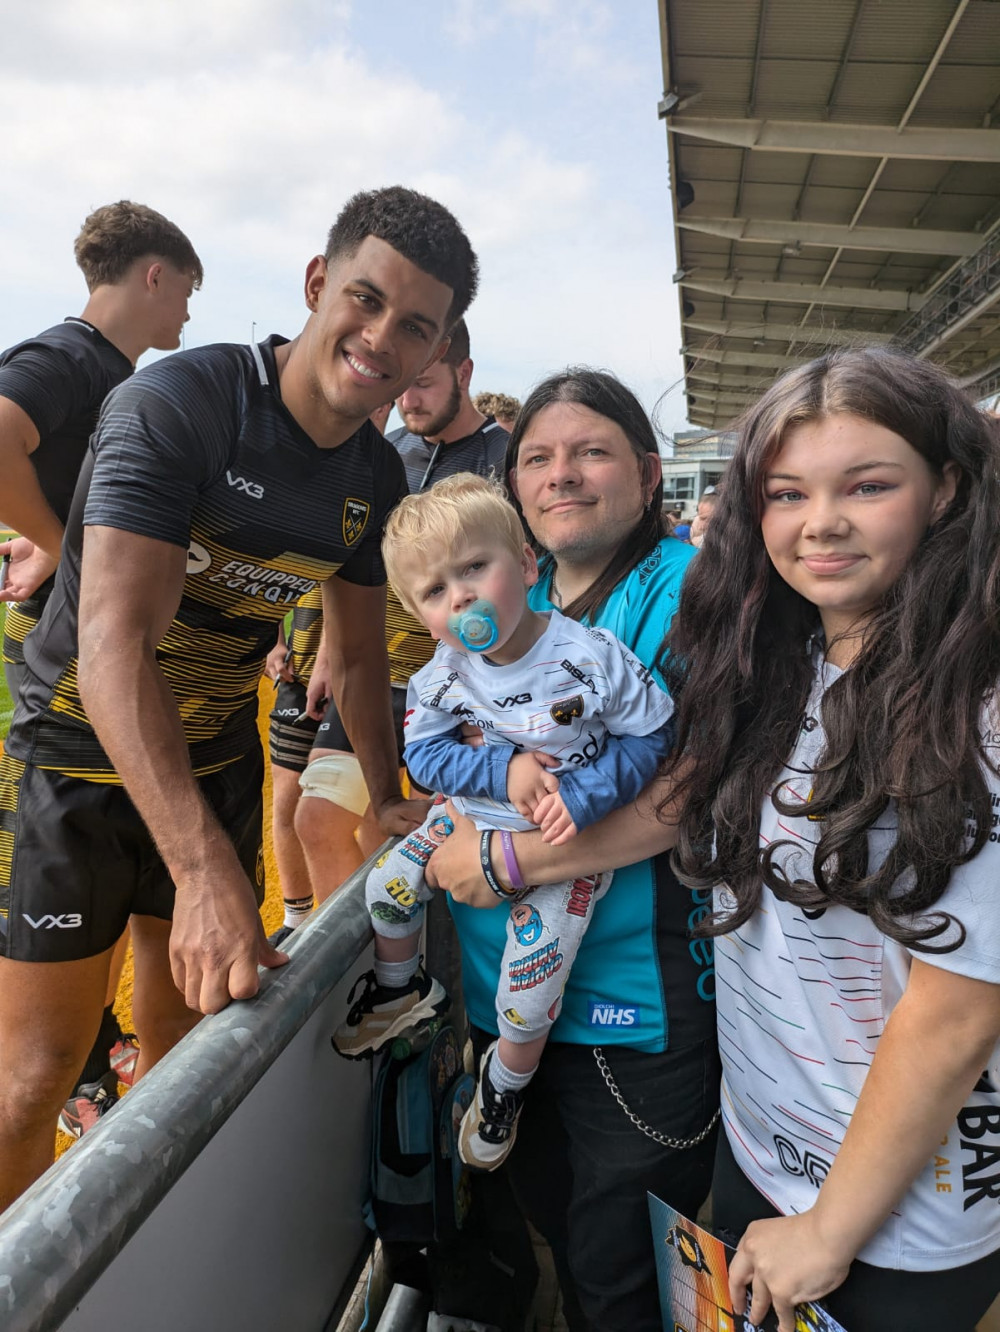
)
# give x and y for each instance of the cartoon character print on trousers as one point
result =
(514, 1017)
(422, 843)
(391, 915)
(527, 924)
(403, 895)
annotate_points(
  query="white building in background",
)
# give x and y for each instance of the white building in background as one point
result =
(699, 461)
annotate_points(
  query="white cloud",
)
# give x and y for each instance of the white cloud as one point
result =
(250, 125)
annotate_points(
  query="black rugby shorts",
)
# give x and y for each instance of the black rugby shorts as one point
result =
(76, 859)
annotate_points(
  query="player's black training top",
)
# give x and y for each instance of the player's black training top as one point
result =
(199, 451)
(59, 379)
(482, 452)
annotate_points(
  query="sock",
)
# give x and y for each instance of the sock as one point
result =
(99, 1061)
(297, 910)
(396, 975)
(504, 1080)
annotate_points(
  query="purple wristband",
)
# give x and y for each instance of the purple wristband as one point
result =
(510, 860)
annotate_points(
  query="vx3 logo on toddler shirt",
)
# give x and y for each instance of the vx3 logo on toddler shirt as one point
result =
(250, 488)
(69, 920)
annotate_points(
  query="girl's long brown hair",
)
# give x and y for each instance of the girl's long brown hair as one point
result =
(902, 723)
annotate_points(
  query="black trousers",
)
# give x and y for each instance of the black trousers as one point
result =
(872, 1299)
(580, 1170)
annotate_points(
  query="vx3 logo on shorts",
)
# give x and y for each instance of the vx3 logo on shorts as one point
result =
(250, 488)
(70, 920)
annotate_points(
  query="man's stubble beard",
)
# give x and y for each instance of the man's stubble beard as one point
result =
(446, 415)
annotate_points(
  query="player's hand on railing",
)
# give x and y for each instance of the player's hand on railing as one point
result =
(217, 940)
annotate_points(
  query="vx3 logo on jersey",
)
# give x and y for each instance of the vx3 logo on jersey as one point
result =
(250, 488)
(512, 701)
(70, 920)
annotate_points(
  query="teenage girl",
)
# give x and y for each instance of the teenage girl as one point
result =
(835, 662)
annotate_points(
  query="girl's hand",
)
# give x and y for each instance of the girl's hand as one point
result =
(784, 1262)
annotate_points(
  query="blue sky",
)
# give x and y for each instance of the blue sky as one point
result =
(249, 122)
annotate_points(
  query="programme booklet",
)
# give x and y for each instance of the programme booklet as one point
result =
(692, 1270)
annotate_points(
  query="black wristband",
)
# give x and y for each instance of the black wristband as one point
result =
(508, 894)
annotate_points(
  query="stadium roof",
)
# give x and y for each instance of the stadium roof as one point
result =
(835, 178)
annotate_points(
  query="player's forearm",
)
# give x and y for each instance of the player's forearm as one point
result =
(134, 715)
(24, 508)
(928, 1059)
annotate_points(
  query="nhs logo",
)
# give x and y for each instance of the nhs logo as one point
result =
(603, 1014)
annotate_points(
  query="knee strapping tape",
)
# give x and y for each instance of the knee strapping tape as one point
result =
(336, 777)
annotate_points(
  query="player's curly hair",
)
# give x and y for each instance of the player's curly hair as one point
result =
(114, 236)
(418, 228)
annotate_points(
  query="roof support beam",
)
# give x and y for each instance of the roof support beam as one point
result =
(708, 376)
(734, 402)
(761, 360)
(802, 293)
(816, 136)
(810, 335)
(902, 240)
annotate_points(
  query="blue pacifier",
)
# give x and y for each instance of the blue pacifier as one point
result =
(476, 626)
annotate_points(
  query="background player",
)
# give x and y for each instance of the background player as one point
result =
(336, 826)
(140, 271)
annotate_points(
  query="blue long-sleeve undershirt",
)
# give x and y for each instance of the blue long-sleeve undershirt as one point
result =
(625, 767)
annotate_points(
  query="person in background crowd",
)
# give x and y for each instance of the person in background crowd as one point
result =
(381, 415)
(207, 496)
(499, 405)
(140, 271)
(706, 507)
(291, 733)
(625, 1099)
(443, 434)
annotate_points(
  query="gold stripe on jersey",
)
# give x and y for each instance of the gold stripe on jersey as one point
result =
(212, 661)
(11, 772)
(306, 632)
(407, 641)
(21, 619)
(107, 777)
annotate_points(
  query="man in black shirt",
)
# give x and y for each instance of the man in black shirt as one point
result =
(222, 484)
(141, 270)
(445, 433)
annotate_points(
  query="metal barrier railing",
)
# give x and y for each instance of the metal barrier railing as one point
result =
(61, 1235)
